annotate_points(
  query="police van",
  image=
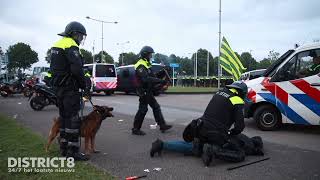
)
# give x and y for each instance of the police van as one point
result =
(103, 77)
(288, 92)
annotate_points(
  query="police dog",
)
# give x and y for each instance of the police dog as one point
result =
(89, 127)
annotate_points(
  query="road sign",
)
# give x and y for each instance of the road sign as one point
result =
(174, 65)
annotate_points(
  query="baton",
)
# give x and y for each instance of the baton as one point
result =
(236, 167)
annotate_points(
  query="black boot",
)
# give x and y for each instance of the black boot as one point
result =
(197, 147)
(157, 147)
(207, 154)
(78, 156)
(63, 146)
(165, 127)
(138, 132)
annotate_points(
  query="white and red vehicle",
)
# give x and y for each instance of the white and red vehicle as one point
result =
(103, 77)
(285, 94)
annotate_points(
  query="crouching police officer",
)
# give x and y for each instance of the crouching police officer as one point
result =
(67, 80)
(209, 135)
(146, 83)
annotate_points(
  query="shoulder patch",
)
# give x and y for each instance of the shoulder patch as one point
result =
(236, 100)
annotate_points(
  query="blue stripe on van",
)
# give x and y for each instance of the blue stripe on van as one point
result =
(286, 110)
(310, 103)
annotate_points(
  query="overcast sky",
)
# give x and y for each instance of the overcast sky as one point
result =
(177, 27)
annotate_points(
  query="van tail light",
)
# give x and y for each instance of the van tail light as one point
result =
(252, 95)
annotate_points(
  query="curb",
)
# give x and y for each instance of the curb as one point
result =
(189, 92)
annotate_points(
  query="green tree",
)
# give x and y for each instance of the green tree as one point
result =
(106, 58)
(87, 56)
(202, 55)
(128, 58)
(161, 58)
(248, 61)
(21, 56)
(265, 63)
(186, 66)
(273, 56)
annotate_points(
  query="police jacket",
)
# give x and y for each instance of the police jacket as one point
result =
(146, 78)
(67, 65)
(224, 109)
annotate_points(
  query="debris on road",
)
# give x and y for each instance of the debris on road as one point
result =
(105, 153)
(15, 116)
(157, 169)
(153, 126)
(146, 170)
(120, 120)
(19, 103)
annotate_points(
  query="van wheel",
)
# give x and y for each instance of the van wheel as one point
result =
(108, 93)
(267, 118)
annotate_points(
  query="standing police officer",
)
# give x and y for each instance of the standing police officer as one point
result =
(146, 83)
(67, 80)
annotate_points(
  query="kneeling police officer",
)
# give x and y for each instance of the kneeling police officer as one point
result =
(209, 135)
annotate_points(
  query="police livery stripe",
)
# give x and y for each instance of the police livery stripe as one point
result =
(297, 100)
(106, 85)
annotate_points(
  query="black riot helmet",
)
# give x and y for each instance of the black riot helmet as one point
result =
(240, 86)
(146, 51)
(75, 30)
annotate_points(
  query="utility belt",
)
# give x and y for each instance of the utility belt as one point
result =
(65, 81)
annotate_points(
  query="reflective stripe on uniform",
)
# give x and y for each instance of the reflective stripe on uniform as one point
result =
(65, 42)
(72, 131)
(87, 75)
(234, 91)
(236, 100)
(73, 144)
(143, 62)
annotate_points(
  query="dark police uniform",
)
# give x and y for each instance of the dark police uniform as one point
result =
(224, 109)
(146, 82)
(67, 79)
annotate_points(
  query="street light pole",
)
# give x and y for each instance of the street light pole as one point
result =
(121, 55)
(115, 22)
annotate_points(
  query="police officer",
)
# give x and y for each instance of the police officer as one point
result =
(47, 78)
(224, 110)
(146, 83)
(67, 80)
(207, 135)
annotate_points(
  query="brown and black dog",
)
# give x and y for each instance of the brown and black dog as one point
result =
(89, 127)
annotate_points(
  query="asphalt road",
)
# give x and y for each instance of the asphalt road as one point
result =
(294, 151)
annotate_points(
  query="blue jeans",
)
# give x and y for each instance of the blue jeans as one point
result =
(178, 146)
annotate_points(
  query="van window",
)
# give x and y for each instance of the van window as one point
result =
(297, 67)
(105, 71)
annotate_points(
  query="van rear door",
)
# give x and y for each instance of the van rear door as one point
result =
(105, 77)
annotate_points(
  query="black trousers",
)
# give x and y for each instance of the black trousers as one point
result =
(69, 106)
(144, 101)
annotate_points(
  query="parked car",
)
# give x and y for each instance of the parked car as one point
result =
(127, 81)
(252, 74)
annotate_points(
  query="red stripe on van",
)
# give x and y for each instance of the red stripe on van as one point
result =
(304, 86)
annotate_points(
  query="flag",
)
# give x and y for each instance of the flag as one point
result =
(229, 60)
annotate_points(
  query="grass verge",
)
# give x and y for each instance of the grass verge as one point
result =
(182, 89)
(17, 141)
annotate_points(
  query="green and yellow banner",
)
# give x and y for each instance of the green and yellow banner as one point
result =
(229, 61)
